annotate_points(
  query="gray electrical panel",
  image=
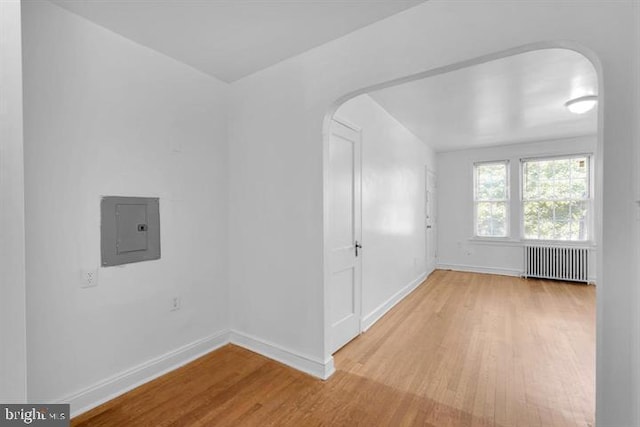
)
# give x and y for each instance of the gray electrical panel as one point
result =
(130, 229)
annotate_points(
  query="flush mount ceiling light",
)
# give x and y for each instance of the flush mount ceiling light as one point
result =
(582, 104)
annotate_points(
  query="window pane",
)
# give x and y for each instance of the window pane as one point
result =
(530, 221)
(562, 230)
(546, 169)
(491, 220)
(556, 179)
(546, 191)
(491, 196)
(546, 226)
(562, 189)
(555, 220)
(531, 180)
(538, 219)
(579, 188)
(579, 220)
(556, 198)
(499, 219)
(483, 223)
(561, 169)
(491, 182)
(561, 211)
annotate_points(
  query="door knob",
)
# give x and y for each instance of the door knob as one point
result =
(358, 246)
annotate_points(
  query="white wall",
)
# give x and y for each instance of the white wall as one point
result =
(393, 204)
(104, 116)
(277, 152)
(13, 357)
(457, 247)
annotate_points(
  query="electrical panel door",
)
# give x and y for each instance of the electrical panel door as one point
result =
(130, 229)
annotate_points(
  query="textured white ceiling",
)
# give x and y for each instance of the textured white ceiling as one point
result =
(230, 39)
(514, 99)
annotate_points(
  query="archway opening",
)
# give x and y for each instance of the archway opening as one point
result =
(518, 193)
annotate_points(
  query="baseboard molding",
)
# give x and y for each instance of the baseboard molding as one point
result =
(476, 269)
(382, 309)
(314, 367)
(116, 385)
(123, 382)
(492, 270)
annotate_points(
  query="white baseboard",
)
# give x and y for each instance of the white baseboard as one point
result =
(123, 382)
(116, 385)
(475, 269)
(492, 270)
(382, 309)
(312, 366)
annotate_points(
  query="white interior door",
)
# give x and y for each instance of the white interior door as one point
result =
(430, 219)
(344, 234)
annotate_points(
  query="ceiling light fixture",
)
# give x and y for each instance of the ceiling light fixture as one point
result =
(582, 104)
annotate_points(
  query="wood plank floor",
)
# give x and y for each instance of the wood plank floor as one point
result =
(464, 349)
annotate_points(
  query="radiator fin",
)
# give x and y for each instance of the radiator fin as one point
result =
(553, 262)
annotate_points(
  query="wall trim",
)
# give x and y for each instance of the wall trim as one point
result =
(591, 280)
(347, 123)
(475, 269)
(307, 364)
(118, 384)
(371, 318)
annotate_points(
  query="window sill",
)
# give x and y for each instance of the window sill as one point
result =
(500, 241)
(560, 243)
(505, 241)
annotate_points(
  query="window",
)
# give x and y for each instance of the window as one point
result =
(491, 199)
(556, 198)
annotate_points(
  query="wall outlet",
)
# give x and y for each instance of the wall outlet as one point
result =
(89, 278)
(175, 304)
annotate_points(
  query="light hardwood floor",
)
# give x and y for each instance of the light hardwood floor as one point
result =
(464, 349)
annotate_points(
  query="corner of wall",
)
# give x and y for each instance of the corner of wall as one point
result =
(116, 385)
(322, 369)
(13, 363)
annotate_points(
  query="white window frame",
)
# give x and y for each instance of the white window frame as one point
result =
(590, 199)
(507, 200)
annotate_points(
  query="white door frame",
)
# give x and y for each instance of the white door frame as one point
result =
(431, 218)
(357, 231)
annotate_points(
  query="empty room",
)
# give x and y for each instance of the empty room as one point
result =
(320, 213)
